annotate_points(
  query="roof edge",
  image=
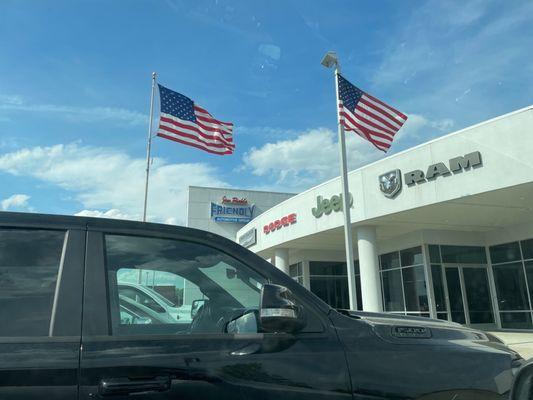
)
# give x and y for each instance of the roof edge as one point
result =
(240, 190)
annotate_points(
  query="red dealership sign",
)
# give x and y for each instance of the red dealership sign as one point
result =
(280, 223)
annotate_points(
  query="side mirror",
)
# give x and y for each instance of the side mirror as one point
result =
(279, 311)
(523, 385)
(195, 307)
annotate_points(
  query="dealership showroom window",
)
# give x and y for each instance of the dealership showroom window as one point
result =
(454, 270)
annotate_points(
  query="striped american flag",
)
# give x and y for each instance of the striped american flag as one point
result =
(367, 116)
(181, 120)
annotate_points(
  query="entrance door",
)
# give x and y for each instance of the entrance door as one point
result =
(469, 297)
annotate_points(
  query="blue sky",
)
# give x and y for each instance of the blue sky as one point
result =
(75, 84)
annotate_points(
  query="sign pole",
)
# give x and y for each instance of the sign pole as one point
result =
(149, 146)
(345, 201)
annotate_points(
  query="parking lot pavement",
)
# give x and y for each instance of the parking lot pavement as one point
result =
(521, 342)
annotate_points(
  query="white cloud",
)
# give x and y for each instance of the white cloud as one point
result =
(10, 99)
(418, 126)
(270, 50)
(419, 47)
(461, 59)
(308, 159)
(112, 213)
(110, 181)
(313, 156)
(16, 201)
(81, 114)
(265, 131)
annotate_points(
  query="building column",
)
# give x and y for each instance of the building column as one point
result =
(428, 276)
(369, 267)
(281, 260)
(306, 274)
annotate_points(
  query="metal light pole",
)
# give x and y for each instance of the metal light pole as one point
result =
(149, 147)
(331, 60)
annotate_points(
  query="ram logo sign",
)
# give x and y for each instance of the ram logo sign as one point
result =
(456, 165)
(390, 183)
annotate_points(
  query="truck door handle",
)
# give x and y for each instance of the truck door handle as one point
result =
(114, 386)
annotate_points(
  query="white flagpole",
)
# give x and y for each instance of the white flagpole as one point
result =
(345, 200)
(149, 146)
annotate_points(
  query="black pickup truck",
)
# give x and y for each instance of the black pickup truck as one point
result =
(96, 309)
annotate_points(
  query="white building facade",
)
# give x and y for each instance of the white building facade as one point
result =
(442, 230)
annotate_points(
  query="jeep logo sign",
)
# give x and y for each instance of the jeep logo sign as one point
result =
(326, 206)
(390, 183)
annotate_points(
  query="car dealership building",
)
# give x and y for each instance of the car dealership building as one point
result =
(442, 230)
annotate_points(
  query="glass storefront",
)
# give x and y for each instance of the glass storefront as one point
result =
(467, 288)
(512, 265)
(461, 284)
(404, 283)
(478, 298)
(296, 272)
(329, 281)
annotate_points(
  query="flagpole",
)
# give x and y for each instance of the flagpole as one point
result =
(348, 243)
(149, 146)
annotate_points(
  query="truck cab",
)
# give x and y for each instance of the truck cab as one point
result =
(70, 330)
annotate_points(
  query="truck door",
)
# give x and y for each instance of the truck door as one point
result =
(41, 275)
(130, 347)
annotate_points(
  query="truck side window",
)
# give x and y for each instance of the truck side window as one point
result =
(164, 286)
(29, 265)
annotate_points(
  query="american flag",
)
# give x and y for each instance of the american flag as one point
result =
(367, 116)
(183, 121)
